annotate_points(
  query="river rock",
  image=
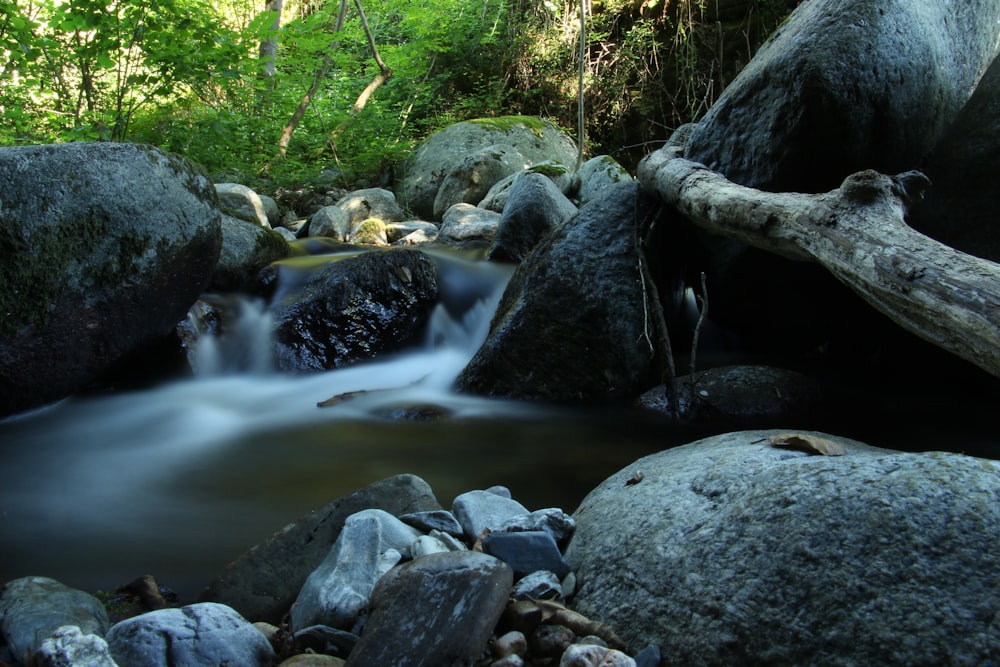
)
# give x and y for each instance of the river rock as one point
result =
(573, 324)
(732, 551)
(370, 544)
(68, 647)
(205, 633)
(843, 86)
(437, 610)
(32, 609)
(246, 249)
(355, 308)
(380, 203)
(239, 201)
(552, 520)
(526, 552)
(470, 180)
(561, 176)
(468, 226)
(423, 173)
(534, 208)
(329, 221)
(263, 583)
(597, 174)
(537, 585)
(589, 655)
(480, 510)
(103, 248)
(960, 207)
(442, 520)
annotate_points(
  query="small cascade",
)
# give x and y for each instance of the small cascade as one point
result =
(233, 335)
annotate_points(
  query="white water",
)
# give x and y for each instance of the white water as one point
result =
(179, 479)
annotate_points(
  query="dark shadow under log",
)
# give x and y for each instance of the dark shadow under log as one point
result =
(857, 232)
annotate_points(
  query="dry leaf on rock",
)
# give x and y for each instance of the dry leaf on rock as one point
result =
(811, 444)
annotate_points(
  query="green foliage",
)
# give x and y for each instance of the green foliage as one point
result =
(187, 75)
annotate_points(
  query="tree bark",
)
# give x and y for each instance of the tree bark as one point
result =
(857, 232)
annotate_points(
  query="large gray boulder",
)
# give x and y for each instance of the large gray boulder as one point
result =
(103, 248)
(730, 551)
(846, 85)
(573, 322)
(960, 209)
(535, 139)
(263, 583)
(246, 249)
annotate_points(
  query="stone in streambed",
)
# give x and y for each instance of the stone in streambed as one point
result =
(479, 510)
(526, 552)
(437, 610)
(68, 647)
(200, 634)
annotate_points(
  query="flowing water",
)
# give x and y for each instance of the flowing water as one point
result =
(179, 479)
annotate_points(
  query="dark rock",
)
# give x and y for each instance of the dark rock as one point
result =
(732, 551)
(649, 657)
(538, 585)
(572, 324)
(960, 209)
(442, 520)
(534, 208)
(436, 610)
(354, 308)
(246, 249)
(550, 641)
(200, 634)
(322, 639)
(33, 608)
(103, 248)
(738, 397)
(526, 552)
(262, 583)
(596, 175)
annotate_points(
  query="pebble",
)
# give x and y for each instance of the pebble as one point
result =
(441, 520)
(589, 655)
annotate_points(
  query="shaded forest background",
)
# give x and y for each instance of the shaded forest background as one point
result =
(276, 94)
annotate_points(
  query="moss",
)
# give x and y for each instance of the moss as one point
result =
(550, 169)
(272, 244)
(508, 123)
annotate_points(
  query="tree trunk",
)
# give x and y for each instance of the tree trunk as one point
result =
(857, 232)
(269, 47)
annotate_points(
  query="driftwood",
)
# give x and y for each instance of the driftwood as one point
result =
(857, 232)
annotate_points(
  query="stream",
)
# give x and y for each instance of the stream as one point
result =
(179, 479)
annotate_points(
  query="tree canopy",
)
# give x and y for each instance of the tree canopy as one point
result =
(220, 82)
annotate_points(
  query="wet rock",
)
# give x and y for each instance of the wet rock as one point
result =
(438, 610)
(103, 249)
(200, 634)
(68, 647)
(740, 552)
(571, 326)
(263, 583)
(534, 208)
(33, 608)
(355, 308)
(423, 173)
(526, 552)
(335, 594)
(538, 585)
(442, 520)
(480, 510)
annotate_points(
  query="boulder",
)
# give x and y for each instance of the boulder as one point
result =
(470, 180)
(353, 308)
(573, 324)
(32, 609)
(960, 207)
(329, 221)
(246, 249)
(239, 201)
(205, 633)
(437, 610)
(468, 226)
(103, 248)
(561, 176)
(361, 205)
(422, 175)
(534, 208)
(843, 86)
(730, 550)
(263, 583)
(596, 174)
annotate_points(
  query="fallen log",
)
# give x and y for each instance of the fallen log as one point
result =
(857, 232)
